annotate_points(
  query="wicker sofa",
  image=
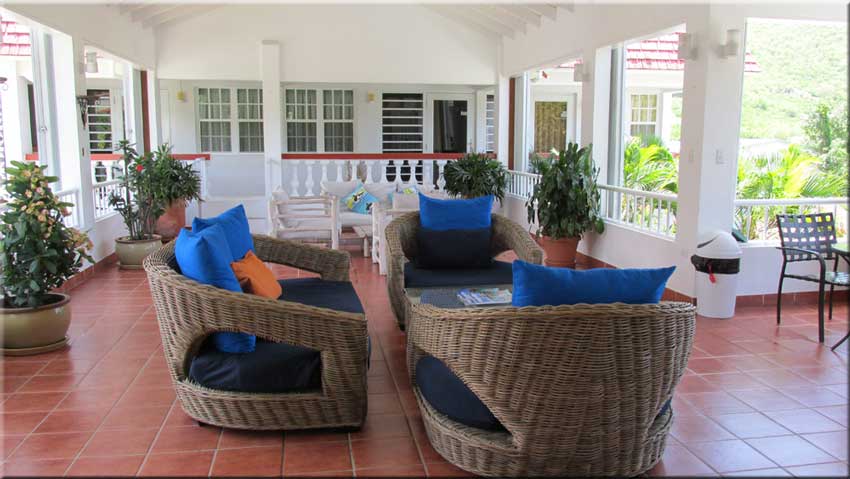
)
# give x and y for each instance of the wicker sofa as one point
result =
(580, 390)
(401, 246)
(188, 312)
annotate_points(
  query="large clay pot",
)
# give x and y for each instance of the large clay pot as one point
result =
(172, 221)
(560, 252)
(36, 330)
(131, 253)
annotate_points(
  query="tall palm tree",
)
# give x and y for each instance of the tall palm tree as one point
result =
(649, 166)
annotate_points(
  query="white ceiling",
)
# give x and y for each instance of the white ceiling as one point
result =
(501, 19)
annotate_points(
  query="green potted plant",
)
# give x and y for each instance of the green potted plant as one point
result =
(474, 175)
(38, 254)
(565, 202)
(175, 184)
(138, 206)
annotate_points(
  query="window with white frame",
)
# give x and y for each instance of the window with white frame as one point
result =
(401, 123)
(490, 123)
(338, 119)
(644, 115)
(249, 106)
(99, 122)
(301, 119)
(214, 116)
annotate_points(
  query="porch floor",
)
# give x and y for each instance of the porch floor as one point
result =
(757, 399)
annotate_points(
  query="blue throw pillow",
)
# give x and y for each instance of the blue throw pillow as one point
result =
(536, 285)
(205, 257)
(234, 222)
(455, 214)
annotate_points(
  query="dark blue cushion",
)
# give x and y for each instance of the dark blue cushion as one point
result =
(234, 222)
(498, 273)
(204, 256)
(536, 285)
(453, 249)
(270, 368)
(446, 393)
(455, 214)
(336, 295)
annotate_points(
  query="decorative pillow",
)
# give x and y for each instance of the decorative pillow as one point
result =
(261, 280)
(382, 191)
(453, 249)
(234, 222)
(404, 201)
(359, 201)
(205, 257)
(536, 285)
(454, 214)
(340, 189)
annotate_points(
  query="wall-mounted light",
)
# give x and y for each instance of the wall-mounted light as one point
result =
(687, 47)
(579, 75)
(91, 62)
(732, 45)
(371, 96)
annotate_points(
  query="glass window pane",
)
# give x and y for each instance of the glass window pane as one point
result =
(241, 95)
(225, 111)
(311, 96)
(349, 113)
(214, 95)
(349, 97)
(327, 96)
(290, 96)
(328, 112)
(225, 95)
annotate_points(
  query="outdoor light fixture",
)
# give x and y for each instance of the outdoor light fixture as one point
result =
(91, 62)
(579, 75)
(687, 47)
(732, 45)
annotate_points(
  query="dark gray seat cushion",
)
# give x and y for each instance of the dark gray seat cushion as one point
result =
(276, 367)
(499, 273)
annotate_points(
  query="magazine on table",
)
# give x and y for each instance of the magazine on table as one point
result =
(484, 296)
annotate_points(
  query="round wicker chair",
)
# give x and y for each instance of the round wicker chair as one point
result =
(400, 235)
(579, 388)
(188, 311)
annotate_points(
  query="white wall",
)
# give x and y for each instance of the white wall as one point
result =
(342, 43)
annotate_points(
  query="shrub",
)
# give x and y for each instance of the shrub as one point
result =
(476, 174)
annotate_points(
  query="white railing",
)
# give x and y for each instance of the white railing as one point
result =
(304, 176)
(521, 184)
(757, 218)
(71, 195)
(644, 210)
(101, 193)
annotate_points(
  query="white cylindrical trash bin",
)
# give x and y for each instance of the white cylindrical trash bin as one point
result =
(717, 262)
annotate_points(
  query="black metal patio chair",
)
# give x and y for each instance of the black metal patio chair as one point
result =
(811, 237)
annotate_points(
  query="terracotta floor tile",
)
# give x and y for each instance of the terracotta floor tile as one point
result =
(106, 466)
(36, 467)
(832, 470)
(319, 457)
(716, 403)
(710, 365)
(190, 438)
(120, 442)
(29, 402)
(72, 421)
(734, 455)
(790, 450)
(678, 461)
(392, 471)
(749, 425)
(381, 426)
(51, 446)
(20, 422)
(771, 472)
(195, 463)
(384, 453)
(834, 442)
(102, 399)
(836, 413)
(292, 438)
(733, 381)
(385, 404)
(814, 396)
(52, 383)
(766, 400)
(698, 428)
(801, 421)
(136, 418)
(232, 438)
(444, 469)
(251, 461)
(9, 443)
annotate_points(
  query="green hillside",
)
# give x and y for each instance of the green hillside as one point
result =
(802, 64)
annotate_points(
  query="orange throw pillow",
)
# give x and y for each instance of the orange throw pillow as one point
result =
(259, 278)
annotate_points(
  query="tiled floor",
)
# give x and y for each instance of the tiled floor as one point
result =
(757, 400)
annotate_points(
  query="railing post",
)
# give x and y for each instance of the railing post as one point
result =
(293, 182)
(441, 180)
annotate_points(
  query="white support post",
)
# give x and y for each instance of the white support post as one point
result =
(45, 101)
(502, 113)
(270, 64)
(85, 207)
(153, 109)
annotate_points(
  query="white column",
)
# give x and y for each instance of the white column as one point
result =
(595, 107)
(711, 109)
(45, 100)
(272, 120)
(502, 117)
(153, 109)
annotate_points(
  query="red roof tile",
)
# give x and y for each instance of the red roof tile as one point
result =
(14, 40)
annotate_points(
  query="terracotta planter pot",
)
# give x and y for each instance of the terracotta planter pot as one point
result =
(172, 221)
(560, 252)
(131, 253)
(29, 331)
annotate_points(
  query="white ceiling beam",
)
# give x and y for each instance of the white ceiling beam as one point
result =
(521, 12)
(184, 13)
(447, 13)
(465, 15)
(151, 11)
(547, 10)
(498, 16)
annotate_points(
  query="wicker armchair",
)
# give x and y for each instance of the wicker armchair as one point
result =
(401, 247)
(188, 311)
(579, 389)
